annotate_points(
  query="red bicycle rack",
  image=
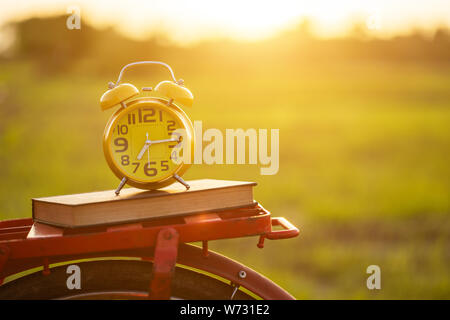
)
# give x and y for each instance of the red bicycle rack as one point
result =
(25, 245)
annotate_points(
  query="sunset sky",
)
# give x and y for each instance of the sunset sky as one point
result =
(190, 21)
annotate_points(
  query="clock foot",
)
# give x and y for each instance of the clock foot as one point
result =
(121, 184)
(180, 180)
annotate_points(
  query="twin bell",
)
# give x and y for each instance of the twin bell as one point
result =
(173, 91)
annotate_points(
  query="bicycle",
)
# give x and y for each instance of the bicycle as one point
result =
(148, 259)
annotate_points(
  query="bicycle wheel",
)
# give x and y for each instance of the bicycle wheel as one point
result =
(116, 279)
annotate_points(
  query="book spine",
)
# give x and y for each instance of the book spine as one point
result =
(32, 209)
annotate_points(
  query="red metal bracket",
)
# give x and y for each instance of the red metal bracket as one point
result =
(4, 254)
(288, 231)
(165, 258)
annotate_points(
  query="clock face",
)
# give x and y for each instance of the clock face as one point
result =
(140, 142)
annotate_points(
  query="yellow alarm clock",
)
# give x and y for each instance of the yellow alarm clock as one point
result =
(140, 137)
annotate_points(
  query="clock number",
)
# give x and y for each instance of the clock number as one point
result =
(164, 165)
(146, 116)
(122, 129)
(131, 118)
(151, 172)
(136, 164)
(121, 142)
(180, 138)
(125, 160)
(149, 115)
(170, 126)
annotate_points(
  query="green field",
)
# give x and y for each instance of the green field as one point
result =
(364, 164)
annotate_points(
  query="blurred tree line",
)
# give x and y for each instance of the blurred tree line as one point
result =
(54, 48)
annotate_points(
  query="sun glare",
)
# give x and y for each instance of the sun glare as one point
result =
(188, 21)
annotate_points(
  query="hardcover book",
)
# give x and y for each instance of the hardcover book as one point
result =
(104, 207)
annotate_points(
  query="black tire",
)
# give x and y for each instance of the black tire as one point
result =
(116, 279)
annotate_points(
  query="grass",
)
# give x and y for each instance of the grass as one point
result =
(364, 153)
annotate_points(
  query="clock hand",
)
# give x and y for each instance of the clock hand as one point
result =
(147, 144)
(144, 148)
(165, 140)
(148, 150)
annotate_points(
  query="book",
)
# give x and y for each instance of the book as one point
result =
(104, 207)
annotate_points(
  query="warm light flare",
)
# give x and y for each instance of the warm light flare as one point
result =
(188, 21)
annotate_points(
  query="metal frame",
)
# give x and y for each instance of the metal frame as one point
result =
(145, 62)
(25, 245)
